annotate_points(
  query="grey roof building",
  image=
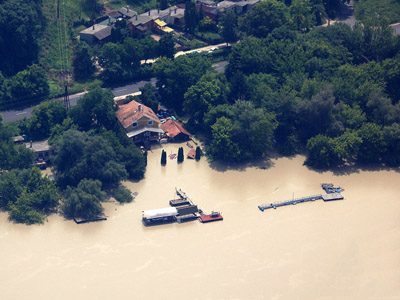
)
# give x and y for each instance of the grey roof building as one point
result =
(95, 33)
(127, 13)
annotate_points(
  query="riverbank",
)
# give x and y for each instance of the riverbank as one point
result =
(340, 250)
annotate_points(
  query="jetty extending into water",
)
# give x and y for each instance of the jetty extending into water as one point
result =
(331, 196)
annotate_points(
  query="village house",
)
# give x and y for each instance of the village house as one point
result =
(176, 17)
(140, 24)
(141, 124)
(96, 34)
(175, 131)
(42, 152)
(127, 13)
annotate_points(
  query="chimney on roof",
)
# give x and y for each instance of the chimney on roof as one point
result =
(136, 17)
(127, 8)
(158, 11)
(149, 13)
(175, 10)
(109, 20)
(30, 146)
(139, 107)
(93, 27)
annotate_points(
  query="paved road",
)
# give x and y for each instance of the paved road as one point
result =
(15, 115)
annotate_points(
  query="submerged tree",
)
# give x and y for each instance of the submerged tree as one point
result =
(180, 155)
(198, 153)
(163, 158)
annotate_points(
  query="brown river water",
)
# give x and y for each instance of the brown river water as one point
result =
(346, 249)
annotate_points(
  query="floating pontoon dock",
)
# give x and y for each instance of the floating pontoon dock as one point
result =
(333, 193)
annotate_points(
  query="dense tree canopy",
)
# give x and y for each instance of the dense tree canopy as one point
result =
(21, 24)
(175, 77)
(27, 195)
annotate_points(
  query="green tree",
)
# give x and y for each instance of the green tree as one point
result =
(198, 153)
(321, 152)
(84, 201)
(95, 110)
(82, 62)
(207, 92)
(391, 136)
(180, 155)
(373, 145)
(222, 145)
(29, 86)
(166, 46)
(44, 117)
(21, 25)
(316, 115)
(27, 195)
(191, 17)
(163, 158)
(122, 194)
(148, 96)
(148, 48)
(175, 77)
(265, 17)
(79, 156)
(253, 129)
(301, 17)
(229, 29)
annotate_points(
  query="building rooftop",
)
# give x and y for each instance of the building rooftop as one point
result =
(38, 146)
(127, 12)
(156, 13)
(129, 113)
(139, 20)
(173, 128)
(99, 31)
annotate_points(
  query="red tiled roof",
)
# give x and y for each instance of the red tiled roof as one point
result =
(173, 128)
(129, 113)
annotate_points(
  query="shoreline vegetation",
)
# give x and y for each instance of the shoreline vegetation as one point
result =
(289, 86)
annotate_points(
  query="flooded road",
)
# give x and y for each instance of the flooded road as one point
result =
(346, 249)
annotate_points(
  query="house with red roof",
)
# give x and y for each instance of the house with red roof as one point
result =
(175, 131)
(141, 124)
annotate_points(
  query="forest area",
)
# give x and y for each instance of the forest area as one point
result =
(290, 86)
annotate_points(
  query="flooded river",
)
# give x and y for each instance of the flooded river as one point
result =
(346, 249)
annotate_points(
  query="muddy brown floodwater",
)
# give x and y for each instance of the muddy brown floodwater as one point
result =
(346, 249)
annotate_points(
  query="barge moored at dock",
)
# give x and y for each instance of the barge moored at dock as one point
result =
(159, 216)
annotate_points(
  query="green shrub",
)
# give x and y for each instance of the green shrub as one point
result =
(122, 195)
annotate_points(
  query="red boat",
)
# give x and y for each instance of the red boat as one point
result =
(214, 216)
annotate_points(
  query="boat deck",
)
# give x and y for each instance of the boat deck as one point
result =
(211, 217)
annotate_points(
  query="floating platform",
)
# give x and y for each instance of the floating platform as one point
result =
(214, 216)
(294, 201)
(82, 220)
(179, 202)
(186, 218)
(332, 197)
(158, 221)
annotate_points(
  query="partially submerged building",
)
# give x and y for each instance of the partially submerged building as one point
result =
(141, 124)
(174, 131)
